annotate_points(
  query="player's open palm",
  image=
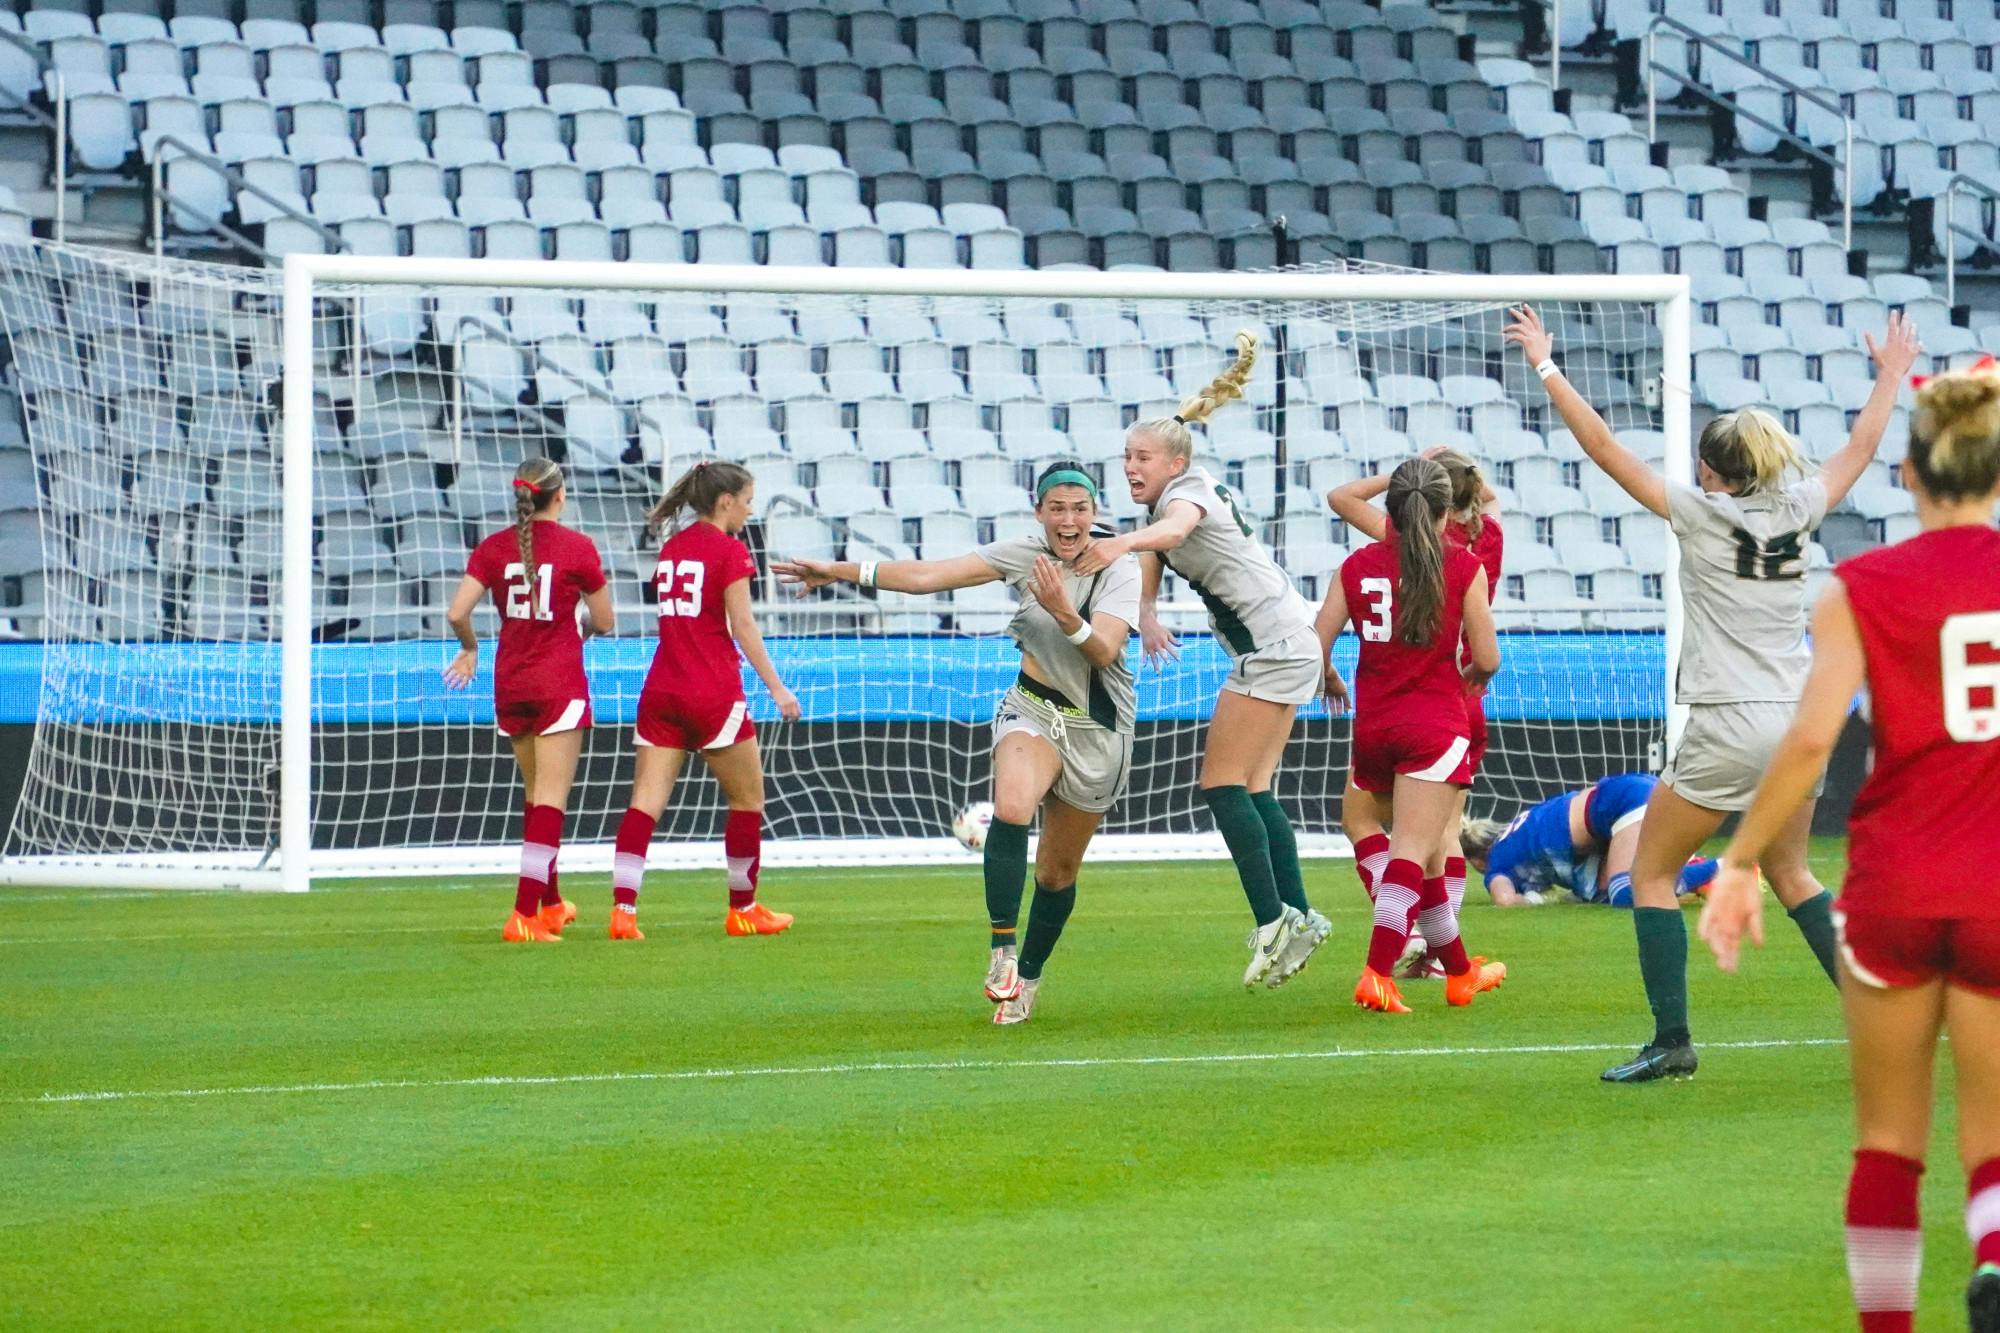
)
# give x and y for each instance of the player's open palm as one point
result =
(1735, 906)
(1898, 350)
(458, 673)
(1335, 690)
(1049, 589)
(802, 575)
(1159, 644)
(1526, 332)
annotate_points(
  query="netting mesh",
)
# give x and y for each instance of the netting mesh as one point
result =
(877, 428)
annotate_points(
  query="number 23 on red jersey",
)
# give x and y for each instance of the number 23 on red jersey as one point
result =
(691, 574)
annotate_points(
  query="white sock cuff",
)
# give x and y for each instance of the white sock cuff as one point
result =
(627, 869)
(1884, 1264)
(537, 859)
(1982, 1213)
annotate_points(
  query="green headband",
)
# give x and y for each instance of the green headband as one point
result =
(1068, 476)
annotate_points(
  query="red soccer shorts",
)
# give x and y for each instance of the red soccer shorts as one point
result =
(541, 717)
(1427, 751)
(674, 723)
(1891, 952)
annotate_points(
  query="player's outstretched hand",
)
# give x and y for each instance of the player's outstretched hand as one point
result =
(1159, 644)
(1735, 905)
(1049, 589)
(458, 674)
(802, 575)
(1099, 555)
(1526, 332)
(1897, 351)
(788, 704)
(1335, 690)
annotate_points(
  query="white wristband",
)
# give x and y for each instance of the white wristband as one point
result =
(868, 567)
(1079, 634)
(1547, 369)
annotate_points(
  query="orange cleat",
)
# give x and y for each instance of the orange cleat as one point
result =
(1484, 976)
(625, 925)
(527, 929)
(556, 915)
(756, 919)
(1377, 992)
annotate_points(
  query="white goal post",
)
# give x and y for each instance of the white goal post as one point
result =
(62, 835)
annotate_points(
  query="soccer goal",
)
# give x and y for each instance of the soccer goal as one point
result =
(257, 491)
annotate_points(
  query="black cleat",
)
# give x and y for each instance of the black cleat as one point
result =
(1982, 1300)
(1654, 1061)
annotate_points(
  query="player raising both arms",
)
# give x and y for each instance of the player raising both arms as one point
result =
(1475, 525)
(1582, 842)
(1742, 534)
(1194, 527)
(1918, 624)
(537, 570)
(1412, 600)
(693, 696)
(1062, 739)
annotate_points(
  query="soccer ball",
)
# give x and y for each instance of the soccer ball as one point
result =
(971, 824)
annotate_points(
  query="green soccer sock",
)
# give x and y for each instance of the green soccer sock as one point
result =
(1046, 919)
(1284, 850)
(1663, 959)
(1006, 874)
(1814, 918)
(1242, 828)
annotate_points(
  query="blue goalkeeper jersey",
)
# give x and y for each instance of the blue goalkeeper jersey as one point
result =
(1536, 853)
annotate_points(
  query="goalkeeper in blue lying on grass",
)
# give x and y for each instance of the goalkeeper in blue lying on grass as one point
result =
(1580, 841)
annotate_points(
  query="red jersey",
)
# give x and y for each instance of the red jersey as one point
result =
(541, 652)
(1925, 831)
(697, 657)
(1414, 680)
(1487, 548)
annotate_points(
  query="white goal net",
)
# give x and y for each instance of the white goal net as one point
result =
(879, 424)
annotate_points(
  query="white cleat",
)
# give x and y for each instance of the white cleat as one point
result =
(1003, 978)
(1018, 1009)
(1312, 932)
(1268, 944)
(1413, 963)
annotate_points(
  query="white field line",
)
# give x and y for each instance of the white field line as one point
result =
(875, 1067)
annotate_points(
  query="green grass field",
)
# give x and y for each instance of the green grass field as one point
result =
(359, 1109)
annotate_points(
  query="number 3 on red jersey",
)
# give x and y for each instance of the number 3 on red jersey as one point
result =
(1376, 621)
(1971, 645)
(692, 574)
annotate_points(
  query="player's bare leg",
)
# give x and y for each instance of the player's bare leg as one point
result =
(1789, 868)
(548, 766)
(1066, 834)
(1025, 767)
(740, 770)
(1419, 961)
(1423, 811)
(1974, 1023)
(1674, 829)
(1892, 1048)
(1246, 737)
(655, 771)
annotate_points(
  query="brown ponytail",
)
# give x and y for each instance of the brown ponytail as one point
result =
(1955, 434)
(536, 484)
(700, 489)
(1419, 496)
(1468, 489)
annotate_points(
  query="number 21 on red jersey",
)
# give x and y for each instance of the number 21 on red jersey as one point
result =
(1971, 647)
(692, 574)
(520, 592)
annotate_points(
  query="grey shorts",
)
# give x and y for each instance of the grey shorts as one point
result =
(1290, 671)
(1095, 763)
(1723, 752)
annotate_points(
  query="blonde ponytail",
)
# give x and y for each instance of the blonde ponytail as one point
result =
(1476, 837)
(1955, 433)
(1750, 451)
(1468, 489)
(1173, 431)
(536, 483)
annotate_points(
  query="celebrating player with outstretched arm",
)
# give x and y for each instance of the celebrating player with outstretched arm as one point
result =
(1743, 532)
(1475, 525)
(1918, 624)
(537, 571)
(1062, 739)
(693, 696)
(1194, 527)
(1411, 600)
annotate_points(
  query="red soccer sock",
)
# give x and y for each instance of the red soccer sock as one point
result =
(541, 836)
(628, 865)
(551, 892)
(1982, 1212)
(1396, 898)
(1439, 925)
(742, 843)
(1885, 1251)
(1371, 857)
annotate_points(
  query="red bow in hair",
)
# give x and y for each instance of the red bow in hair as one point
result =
(527, 486)
(1985, 365)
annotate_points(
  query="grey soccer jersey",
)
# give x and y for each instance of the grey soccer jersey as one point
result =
(1743, 568)
(1102, 693)
(1251, 604)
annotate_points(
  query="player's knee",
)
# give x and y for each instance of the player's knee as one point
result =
(1058, 872)
(747, 807)
(1014, 808)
